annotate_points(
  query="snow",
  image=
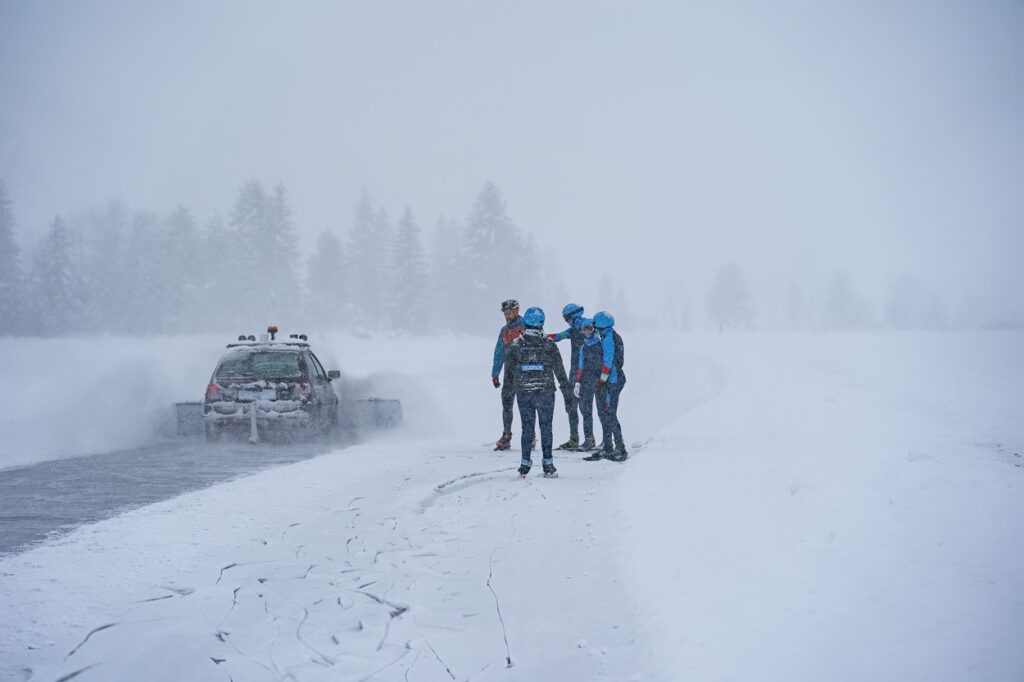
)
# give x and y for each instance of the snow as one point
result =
(70, 397)
(816, 506)
(845, 509)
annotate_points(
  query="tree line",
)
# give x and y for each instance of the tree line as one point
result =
(840, 304)
(114, 271)
(111, 270)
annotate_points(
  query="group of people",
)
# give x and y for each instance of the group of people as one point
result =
(532, 363)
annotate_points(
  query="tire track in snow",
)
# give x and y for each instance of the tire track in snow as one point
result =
(459, 483)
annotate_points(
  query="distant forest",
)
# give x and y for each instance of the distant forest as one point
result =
(112, 271)
(117, 271)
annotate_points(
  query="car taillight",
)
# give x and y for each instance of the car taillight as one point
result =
(301, 391)
(213, 393)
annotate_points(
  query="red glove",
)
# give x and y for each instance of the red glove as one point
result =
(495, 381)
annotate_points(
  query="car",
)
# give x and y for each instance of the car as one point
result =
(269, 387)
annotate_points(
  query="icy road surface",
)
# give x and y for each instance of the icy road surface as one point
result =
(46, 499)
(367, 563)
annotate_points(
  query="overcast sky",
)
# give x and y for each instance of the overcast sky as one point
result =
(654, 141)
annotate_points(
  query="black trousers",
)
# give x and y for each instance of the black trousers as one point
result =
(585, 404)
(571, 408)
(508, 397)
(533, 406)
(608, 411)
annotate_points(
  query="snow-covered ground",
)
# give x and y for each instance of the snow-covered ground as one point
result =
(805, 507)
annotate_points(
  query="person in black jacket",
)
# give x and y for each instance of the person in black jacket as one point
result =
(535, 363)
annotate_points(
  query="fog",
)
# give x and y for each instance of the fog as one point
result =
(868, 149)
(805, 217)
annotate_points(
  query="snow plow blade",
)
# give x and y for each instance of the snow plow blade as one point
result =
(360, 416)
(370, 414)
(189, 418)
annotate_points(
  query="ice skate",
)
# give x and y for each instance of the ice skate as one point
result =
(619, 455)
(572, 444)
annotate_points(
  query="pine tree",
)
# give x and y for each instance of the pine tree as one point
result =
(105, 268)
(326, 301)
(280, 257)
(266, 281)
(179, 270)
(145, 295)
(492, 250)
(364, 257)
(382, 266)
(446, 266)
(248, 223)
(409, 278)
(220, 263)
(12, 284)
(56, 282)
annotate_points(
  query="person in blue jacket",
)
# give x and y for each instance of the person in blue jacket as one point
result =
(610, 383)
(572, 313)
(512, 330)
(586, 374)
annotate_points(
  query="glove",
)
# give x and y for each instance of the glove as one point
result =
(496, 381)
(576, 389)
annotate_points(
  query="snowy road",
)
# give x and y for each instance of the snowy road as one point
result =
(46, 499)
(361, 564)
(809, 507)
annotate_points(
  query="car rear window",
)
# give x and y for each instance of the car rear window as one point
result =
(256, 366)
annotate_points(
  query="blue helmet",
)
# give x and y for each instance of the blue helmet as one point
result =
(586, 322)
(604, 320)
(534, 317)
(570, 310)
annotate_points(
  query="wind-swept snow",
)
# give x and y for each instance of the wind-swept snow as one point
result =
(807, 507)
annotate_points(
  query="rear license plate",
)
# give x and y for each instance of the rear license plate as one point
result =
(265, 394)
